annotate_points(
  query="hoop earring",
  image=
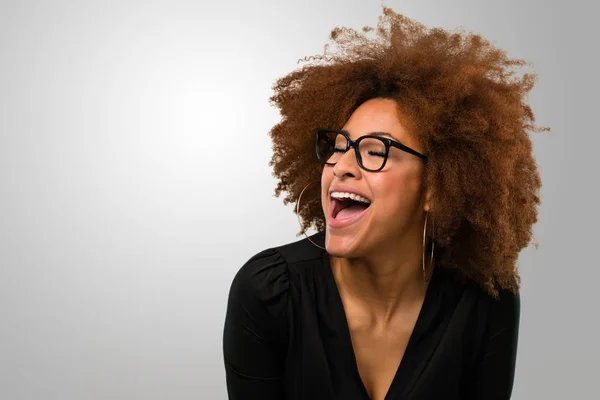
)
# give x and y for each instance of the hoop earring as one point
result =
(298, 215)
(427, 275)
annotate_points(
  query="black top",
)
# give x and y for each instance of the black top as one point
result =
(286, 335)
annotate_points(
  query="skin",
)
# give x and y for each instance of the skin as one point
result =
(377, 262)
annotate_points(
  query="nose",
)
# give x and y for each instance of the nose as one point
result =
(347, 164)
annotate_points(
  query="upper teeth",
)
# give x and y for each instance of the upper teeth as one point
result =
(346, 195)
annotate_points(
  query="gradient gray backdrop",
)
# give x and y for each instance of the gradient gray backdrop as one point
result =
(134, 183)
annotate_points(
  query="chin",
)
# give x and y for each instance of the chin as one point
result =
(343, 245)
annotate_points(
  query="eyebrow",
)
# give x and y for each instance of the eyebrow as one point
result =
(376, 134)
(385, 134)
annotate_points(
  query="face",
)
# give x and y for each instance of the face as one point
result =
(396, 194)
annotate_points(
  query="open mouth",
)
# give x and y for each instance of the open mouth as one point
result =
(344, 208)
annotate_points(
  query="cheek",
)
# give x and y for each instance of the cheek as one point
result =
(326, 178)
(399, 195)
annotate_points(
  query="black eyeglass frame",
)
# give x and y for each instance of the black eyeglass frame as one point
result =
(354, 144)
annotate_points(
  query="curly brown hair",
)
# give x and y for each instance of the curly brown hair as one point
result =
(466, 107)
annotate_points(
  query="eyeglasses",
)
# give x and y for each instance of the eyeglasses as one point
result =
(371, 150)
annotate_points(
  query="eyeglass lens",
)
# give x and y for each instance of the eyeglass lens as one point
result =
(332, 146)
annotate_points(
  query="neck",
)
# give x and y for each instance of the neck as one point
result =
(384, 283)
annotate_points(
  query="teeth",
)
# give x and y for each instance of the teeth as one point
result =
(346, 195)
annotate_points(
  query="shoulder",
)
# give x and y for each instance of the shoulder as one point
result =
(257, 301)
(490, 312)
(504, 311)
(498, 312)
(504, 301)
(301, 251)
(504, 308)
(263, 281)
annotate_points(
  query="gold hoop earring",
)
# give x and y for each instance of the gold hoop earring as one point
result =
(298, 214)
(427, 275)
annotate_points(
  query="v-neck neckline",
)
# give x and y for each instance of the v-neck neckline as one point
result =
(402, 369)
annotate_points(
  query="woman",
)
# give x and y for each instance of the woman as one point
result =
(428, 192)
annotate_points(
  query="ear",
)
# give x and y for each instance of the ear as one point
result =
(428, 197)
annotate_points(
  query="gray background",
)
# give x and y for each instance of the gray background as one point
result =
(134, 183)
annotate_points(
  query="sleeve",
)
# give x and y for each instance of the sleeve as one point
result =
(494, 370)
(255, 330)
